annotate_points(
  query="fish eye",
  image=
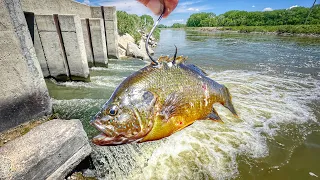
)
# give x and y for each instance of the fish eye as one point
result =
(113, 111)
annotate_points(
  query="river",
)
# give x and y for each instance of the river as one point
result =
(275, 84)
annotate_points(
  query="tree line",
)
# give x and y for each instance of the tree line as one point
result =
(134, 25)
(292, 16)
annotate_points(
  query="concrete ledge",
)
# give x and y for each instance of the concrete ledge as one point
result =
(50, 150)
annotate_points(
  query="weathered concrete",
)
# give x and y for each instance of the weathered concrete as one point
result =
(98, 42)
(50, 150)
(39, 52)
(52, 48)
(87, 41)
(45, 7)
(110, 17)
(96, 12)
(73, 42)
(23, 93)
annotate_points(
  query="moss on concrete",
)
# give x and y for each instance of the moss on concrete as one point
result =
(22, 129)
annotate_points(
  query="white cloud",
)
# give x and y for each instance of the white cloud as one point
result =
(267, 9)
(193, 9)
(87, 2)
(178, 20)
(129, 6)
(293, 6)
(253, 6)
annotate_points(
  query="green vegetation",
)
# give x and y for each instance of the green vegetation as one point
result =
(279, 21)
(293, 16)
(292, 29)
(133, 24)
(178, 25)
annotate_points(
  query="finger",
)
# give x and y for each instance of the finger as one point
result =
(156, 6)
(170, 5)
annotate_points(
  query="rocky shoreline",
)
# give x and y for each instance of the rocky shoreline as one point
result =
(128, 48)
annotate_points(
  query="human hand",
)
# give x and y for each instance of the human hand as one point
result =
(157, 6)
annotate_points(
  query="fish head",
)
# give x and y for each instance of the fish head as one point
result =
(125, 117)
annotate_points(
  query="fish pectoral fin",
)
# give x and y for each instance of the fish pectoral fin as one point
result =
(214, 116)
(170, 106)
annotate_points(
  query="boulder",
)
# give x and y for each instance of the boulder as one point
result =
(134, 51)
(49, 151)
(142, 45)
(124, 40)
(122, 52)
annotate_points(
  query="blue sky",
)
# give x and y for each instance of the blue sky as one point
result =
(187, 7)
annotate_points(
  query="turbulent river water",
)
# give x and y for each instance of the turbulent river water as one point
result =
(275, 84)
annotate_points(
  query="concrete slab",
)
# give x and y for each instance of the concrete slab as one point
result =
(87, 42)
(110, 17)
(50, 150)
(72, 35)
(23, 93)
(98, 42)
(96, 12)
(52, 47)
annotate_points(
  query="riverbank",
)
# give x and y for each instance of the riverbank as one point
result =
(286, 30)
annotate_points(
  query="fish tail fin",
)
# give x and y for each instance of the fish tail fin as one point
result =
(226, 102)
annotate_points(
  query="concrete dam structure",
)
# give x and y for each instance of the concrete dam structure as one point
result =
(48, 38)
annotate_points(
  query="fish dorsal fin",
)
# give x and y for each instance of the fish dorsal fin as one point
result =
(163, 59)
(181, 59)
(197, 69)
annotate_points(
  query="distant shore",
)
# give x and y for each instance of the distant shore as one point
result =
(298, 30)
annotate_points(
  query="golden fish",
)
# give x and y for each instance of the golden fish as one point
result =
(157, 101)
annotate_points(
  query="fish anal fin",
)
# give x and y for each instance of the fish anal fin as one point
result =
(214, 116)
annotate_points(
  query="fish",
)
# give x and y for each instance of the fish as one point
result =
(159, 100)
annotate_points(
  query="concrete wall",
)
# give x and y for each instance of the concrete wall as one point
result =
(111, 27)
(73, 43)
(23, 93)
(87, 41)
(46, 7)
(52, 48)
(98, 41)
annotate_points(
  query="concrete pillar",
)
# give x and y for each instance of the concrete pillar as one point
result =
(39, 52)
(98, 41)
(87, 41)
(110, 18)
(23, 93)
(73, 42)
(52, 47)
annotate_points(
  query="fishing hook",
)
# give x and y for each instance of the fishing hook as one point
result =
(154, 62)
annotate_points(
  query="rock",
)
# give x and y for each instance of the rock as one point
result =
(124, 40)
(143, 49)
(134, 51)
(122, 52)
(49, 151)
